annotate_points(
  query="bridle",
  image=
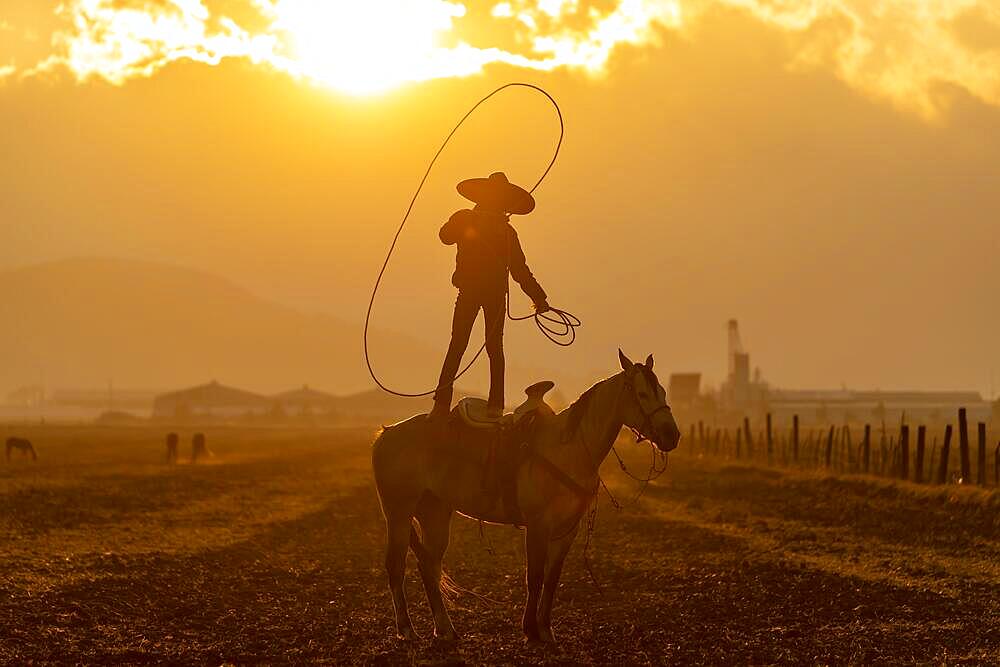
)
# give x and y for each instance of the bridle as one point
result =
(647, 417)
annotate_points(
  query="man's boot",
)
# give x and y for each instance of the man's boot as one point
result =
(440, 411)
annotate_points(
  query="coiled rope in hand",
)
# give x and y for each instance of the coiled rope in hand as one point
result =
(559, 326)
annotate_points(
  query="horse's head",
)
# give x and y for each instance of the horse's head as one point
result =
(644, 405)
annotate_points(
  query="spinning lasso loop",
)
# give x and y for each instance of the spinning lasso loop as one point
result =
(557, 325)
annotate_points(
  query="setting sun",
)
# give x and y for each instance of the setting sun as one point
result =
(370, 46)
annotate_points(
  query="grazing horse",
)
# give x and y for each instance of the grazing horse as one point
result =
(421, 476)
(22, 445)
(198, 447)
(172, 444)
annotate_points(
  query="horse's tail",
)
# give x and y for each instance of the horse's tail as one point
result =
(418, 547)
(449, 589)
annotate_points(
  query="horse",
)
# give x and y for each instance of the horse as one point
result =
(22, 445)
(421, 477)
(198, 447)
(172, 444)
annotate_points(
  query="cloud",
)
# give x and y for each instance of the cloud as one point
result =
(896, 50)
(978, 29)
(347, 45)
(899, 50)
(118, 41)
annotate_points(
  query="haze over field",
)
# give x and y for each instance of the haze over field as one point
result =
(823, 170)
(85, 322)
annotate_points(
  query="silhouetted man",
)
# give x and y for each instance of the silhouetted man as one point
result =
(487, 249)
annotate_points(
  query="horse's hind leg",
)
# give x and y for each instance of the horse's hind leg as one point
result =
(435, 523)
(397, 542)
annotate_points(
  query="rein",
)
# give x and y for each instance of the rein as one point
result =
(653, 473)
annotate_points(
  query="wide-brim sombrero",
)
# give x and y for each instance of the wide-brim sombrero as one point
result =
(498, 191)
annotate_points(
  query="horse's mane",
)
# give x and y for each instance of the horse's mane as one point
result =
(577, 410)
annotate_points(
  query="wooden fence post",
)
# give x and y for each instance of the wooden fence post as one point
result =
(883, 452)
(770, 441)
(996, 465)
(848, 448)
(893, 463)
(904, 451)
(829, 447)
(795, 439)
(866, 448)
(921, 443)
(963, 445)
(942, 476)
(748, 437)
(981, 458)
(930, 462)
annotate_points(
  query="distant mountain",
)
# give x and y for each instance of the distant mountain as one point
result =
(85, 322)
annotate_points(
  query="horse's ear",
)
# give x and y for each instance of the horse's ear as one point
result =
(624, 361)
(649, 362)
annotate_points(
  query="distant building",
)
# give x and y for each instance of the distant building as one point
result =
(848, 405)
(102, 399)
(212, 399)
(304, 401)
(32, 396)
(684, 389)
(745, 393)
(740, 392)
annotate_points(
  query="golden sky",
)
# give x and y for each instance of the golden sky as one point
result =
(824, 170)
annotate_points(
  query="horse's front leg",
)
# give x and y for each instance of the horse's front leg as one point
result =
(397, 542)
(536, 544)
(553, 569)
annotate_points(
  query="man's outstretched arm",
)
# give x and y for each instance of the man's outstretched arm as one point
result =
(520, 272)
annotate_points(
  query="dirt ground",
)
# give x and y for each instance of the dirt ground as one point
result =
(271, 552)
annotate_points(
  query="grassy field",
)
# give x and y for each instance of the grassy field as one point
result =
(272, 551)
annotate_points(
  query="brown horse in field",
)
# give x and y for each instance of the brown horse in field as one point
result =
(23, 446)
(172, 444)
(422, 476)
(198, 447)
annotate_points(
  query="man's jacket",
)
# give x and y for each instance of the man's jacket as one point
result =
(487, 249)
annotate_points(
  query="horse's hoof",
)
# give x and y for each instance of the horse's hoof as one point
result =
(407, 635)
(446, 637)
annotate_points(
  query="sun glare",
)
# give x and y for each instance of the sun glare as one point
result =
(365, 47)
(358, 47)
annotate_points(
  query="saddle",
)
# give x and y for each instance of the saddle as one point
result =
(473, 411)
(508, 438)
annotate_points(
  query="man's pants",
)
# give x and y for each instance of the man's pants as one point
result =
(466, 310)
